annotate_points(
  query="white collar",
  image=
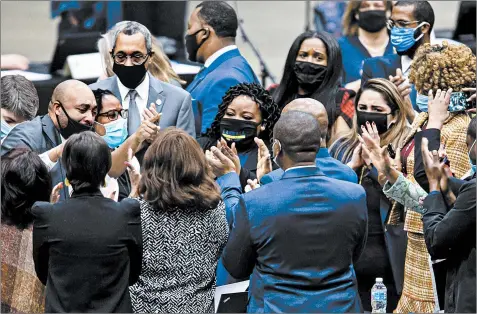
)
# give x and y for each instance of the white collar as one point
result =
(405, 63)
(217, 54)
(142, 89)
(299, 167)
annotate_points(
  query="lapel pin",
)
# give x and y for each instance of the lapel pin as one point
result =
(158, 102)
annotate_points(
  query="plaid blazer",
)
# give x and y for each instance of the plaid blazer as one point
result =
(22, 292)
(453, 135)
(419, 294)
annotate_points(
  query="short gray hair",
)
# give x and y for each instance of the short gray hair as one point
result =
(131, 28)
(19, 96)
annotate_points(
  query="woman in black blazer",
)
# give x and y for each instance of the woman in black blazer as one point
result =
(88, 249)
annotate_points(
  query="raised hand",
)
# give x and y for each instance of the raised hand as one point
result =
(251, 185)
(437, 108)
(264, 163)
(230, 152)
(55, 193)
(218, 162)
(432, 165)
(134, 175)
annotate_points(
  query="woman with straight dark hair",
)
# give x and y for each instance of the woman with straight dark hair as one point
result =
(313, 70)
(25, 180)
(184, 227)
(380, 106)
(87, 249)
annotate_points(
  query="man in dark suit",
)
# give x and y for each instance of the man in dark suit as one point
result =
(330, 166)
(72, 110)
(449, 227)
(210, 40)
(300, 244)
(137, 89)
(410, 24)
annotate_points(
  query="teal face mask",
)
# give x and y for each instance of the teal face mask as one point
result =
(5, 128)
(116, 132)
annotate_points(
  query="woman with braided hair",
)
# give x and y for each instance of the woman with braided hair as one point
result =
(247, 111)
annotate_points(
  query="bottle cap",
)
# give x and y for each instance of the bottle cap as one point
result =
(379, 279)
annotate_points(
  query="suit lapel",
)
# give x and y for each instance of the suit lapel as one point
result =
(115, 89)
(156, 94)
(197, 79)
(50, 130)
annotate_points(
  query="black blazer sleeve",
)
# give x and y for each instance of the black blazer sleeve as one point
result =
(134, 236)
(434, 138)
(444, 230)
(239, 256)
(41, 224)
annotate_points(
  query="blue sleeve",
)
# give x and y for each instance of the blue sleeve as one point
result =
(231, 191)
(212, 98)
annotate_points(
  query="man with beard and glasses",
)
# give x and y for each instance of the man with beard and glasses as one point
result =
(210, 40)
(72, 110)
(411, 24)
(137, 89)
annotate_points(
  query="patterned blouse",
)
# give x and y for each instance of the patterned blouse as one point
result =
(181, 249)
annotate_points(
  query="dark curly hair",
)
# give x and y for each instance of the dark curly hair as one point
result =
(25, 180)
(268, 107)
(98, 95)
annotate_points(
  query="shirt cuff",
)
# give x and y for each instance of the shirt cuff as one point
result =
(434, 192)
(47, 161)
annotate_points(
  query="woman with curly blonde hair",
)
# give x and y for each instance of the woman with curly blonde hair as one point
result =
(434, 67)
(159, 65)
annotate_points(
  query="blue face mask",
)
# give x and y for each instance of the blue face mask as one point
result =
(5, 128)
(403, 38)
(421, 102)
(116, 132)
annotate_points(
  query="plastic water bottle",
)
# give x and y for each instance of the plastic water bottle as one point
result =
(379, 296)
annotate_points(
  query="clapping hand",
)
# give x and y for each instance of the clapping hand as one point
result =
(230, 152)
(150, 118)
(219, 162)
(399, 80)
(432, 165)
(134, 175)
(251, 185)
(264, 164)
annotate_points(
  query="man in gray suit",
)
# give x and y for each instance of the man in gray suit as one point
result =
(71, 110)
(137, 89)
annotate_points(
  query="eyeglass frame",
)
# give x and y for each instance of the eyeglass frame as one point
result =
(391, 23)
(123, 113)
(144, 57)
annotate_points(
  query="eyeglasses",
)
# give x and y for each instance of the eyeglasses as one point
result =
(399, 24)
(113, 114)
(136, 59)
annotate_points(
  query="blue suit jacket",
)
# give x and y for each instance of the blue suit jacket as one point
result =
(211, 84)
(330, 166)
(383, 67)
(299, 245)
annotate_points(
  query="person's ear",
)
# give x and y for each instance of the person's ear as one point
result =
(205, 34)
(425, 28)
(55, 106)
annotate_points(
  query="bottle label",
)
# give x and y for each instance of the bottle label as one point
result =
(379, 296)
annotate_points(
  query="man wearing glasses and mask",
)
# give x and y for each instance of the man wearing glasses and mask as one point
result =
(410, 25)
(137, 89)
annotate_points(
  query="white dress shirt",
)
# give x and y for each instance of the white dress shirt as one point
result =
(217, 54)
(141, 97)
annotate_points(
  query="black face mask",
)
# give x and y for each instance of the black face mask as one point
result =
(309, 75)
(130, 76)
(192, 46)
(380, 119)
(73, 126)
(372, 21)
(240, 132)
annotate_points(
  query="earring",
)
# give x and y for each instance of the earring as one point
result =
(67, 182)
(262, 128)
